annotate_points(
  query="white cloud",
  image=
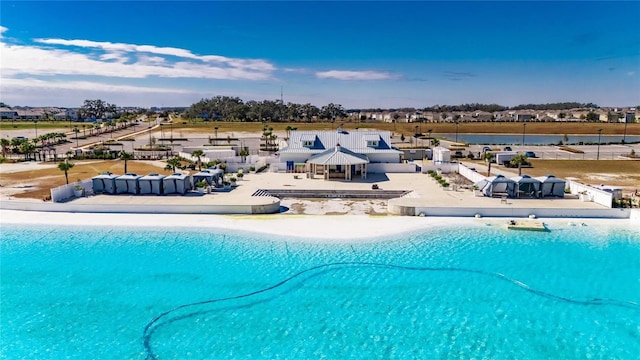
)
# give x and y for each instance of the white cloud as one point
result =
(251, 64)
(631, 73)
(36, 92)
(13, 84)
(36, 61)
(2, 29)
(353, 75)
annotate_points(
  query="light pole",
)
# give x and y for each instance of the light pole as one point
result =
(149, 137)
(215, 131)
(35, 123)
(415, 135)
(624, 137)
(162, 133)
(524, 128)
(598, 153)
(429, 139)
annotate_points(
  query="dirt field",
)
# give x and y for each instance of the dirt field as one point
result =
(38, 180)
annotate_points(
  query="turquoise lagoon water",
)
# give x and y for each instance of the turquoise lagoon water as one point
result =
(456, 293)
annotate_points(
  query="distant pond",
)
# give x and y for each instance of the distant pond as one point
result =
(533, 139)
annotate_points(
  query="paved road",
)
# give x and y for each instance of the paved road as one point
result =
(155, 130)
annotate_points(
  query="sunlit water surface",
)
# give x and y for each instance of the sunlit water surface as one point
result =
(467, 292)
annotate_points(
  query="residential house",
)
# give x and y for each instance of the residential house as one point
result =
(30, 114)
(481, 116)
(6, 113)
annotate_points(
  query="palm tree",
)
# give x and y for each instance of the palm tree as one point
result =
(519, 160)
(76, 130)
(173, 163)
(243, 154)
(198, 154)
(65, 166)
(488, 157)
(125, 156)
(435, 142)
(5, 143)
(27, 149)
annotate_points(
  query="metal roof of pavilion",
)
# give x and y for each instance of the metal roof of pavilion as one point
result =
(338, 156)
(358, 141)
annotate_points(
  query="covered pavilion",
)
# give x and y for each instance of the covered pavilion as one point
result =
(338, 162)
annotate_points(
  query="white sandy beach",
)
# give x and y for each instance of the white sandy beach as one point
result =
(303, 227)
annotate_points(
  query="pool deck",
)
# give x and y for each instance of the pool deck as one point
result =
(426, 198)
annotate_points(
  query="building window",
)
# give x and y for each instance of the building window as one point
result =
(372, 143)
(307, 143)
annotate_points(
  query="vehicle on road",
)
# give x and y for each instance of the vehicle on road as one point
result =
(530, 154)
(486, 149)
(507, 148)
(458, 154)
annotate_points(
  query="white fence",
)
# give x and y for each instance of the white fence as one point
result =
(66, 192)
(443, 167)
(472, 175)
(589, 193)
(377, 168)
(234, 163)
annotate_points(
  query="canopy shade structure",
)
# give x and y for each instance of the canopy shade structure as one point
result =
(104, 183)
(203, 175)
(176, 184)
(551, 186)
(218, 175)
(151, 184)
(127, 184)
(498, 185)
(338, 156)
(527, 186)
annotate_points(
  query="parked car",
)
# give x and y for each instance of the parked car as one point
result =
(486, 149)
(458, 154)
(530, 154)
(507, 148)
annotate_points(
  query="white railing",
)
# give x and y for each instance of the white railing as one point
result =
(589, 193)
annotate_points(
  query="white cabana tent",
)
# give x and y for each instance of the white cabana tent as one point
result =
(127, 183)
(527, 186)
(497, 185)
(551, 186)
(205, 175)
(104, 183)
(151, 184)
(176, 184)
(218, 175)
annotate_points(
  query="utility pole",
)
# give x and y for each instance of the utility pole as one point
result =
(598, 154)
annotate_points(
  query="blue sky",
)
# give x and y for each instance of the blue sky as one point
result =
(355, 53)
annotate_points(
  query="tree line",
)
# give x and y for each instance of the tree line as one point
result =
(226, 108)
